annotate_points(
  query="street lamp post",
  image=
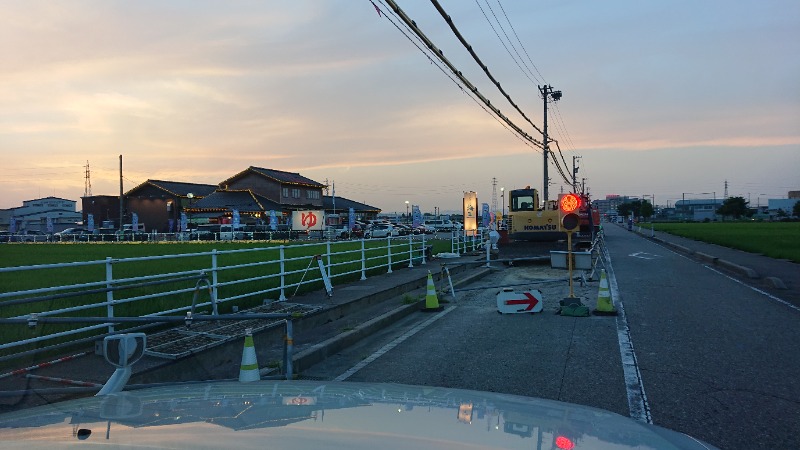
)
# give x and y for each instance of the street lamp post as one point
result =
(407, 221)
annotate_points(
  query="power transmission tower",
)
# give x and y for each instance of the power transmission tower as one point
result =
(87, 181)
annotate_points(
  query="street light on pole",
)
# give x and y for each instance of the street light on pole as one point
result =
(407, 221)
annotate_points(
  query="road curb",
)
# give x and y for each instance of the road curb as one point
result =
(733, 267)
(725, 264)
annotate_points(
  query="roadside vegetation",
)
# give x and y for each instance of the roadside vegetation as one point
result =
(774, 239)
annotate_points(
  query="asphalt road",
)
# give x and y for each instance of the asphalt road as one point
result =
(716, 359)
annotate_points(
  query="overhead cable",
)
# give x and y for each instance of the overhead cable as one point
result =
(440, 55)
(483, 66)
(524, 72)
(529, 141)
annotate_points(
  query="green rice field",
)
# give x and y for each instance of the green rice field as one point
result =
(774, 239)
(246, 275)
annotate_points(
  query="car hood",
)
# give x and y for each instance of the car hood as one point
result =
(311, 415)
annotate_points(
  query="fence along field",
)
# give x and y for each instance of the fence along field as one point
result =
(153, 279)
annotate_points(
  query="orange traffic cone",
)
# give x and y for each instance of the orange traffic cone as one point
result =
(249, 368)
(431, 300)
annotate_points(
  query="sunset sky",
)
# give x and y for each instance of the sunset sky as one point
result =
(668, 99)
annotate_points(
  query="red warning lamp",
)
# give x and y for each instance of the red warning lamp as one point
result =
(569, 203)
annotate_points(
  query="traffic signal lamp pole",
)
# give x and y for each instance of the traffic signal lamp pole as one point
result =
(568, 205)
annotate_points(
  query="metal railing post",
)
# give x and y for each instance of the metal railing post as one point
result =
(110, 293)
(328, 250)
(282, 297)
(423, 249)
(389, 251)
(411, 250)
(214, 274)
(363, 260)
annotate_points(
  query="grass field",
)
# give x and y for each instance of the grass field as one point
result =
(775, 239)
(246, 275)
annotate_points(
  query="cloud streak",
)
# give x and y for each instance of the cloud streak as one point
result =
(198, 92)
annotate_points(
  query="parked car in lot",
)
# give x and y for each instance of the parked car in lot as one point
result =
(71, 235)
(380, 230)
(403, 229)
(424, 229)
(442, 224)
(31, 236)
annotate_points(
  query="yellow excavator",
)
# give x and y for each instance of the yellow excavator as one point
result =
(529, 221)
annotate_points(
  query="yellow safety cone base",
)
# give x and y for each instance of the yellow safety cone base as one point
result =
(605, 306)
(431, 300)
(249, 368)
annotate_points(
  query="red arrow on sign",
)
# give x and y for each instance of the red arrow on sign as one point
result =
(531, 301)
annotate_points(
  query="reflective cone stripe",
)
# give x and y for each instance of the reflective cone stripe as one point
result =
(249, 368)
(431, 300)
(604, 302)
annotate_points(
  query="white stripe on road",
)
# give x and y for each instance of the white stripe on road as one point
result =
(766, 294)
(392, 345)
(637, 399)
(784, 302)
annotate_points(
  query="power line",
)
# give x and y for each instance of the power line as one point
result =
(520, 42)
(483, 66)
(440, 55)
(473, 92)
(477, 2)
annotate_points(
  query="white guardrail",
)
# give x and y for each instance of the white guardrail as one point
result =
(141, 287)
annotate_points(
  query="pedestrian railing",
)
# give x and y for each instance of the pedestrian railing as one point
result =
(207, 282)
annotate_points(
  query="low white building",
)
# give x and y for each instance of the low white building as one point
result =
(775, 205)
(699, 209)
(33, 214)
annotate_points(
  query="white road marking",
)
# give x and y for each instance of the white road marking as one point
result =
(644, 255)
(380, 352)
(634, 386)
(767, 294)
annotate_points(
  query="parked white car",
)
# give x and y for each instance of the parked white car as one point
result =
(381, 230)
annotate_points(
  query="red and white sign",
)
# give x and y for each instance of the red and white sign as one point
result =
(308, 220)
(510, 302)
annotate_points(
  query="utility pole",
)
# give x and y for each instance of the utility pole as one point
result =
(547, 91)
